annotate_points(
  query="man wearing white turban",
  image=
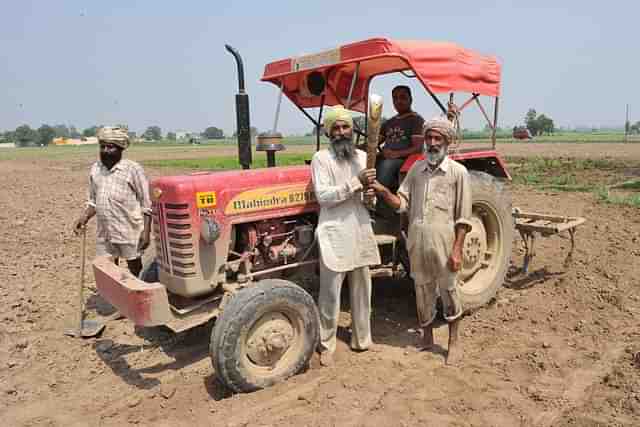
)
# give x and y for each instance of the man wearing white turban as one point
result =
(436, 193)
(119, 197)
(344, 233)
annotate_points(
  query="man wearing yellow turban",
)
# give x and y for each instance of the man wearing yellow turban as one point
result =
(119, 198)
(436, 194)
(345, 236)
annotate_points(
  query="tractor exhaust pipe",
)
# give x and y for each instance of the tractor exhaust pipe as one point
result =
(243, 131)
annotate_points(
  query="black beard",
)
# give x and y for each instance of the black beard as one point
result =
(110, 160)
(343, 148)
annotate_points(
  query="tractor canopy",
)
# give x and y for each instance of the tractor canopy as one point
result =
(342, 75)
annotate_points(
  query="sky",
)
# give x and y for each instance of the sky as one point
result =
(163, 63)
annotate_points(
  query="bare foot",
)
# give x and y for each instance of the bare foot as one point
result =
(454, 356)
(326, 359)
(374, 348)
(426, 340)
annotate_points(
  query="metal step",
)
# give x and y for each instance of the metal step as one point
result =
(386, 239)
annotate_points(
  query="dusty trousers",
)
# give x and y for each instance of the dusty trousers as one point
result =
(329, 305)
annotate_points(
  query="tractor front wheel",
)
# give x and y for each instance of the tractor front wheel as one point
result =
(266, 333)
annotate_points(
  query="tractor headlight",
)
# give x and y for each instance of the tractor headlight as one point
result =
(209, 230)
(156, 193)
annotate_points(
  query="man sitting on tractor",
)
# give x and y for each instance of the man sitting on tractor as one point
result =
(345, 236)
(402, 137)
(119, 197)
(436, 193)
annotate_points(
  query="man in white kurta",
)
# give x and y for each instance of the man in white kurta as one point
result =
(347, 243)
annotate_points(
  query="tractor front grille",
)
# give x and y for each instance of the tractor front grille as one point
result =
(174, 239)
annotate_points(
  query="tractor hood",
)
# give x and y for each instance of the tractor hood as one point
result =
(194, 217)
(255, 192)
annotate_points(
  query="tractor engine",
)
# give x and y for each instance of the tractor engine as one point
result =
(274, 242)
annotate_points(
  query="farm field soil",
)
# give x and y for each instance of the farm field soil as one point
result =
(554, 349)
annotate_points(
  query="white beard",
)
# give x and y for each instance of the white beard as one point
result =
(435, 158)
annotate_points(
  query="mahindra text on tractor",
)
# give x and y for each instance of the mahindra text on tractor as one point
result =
(231, 245)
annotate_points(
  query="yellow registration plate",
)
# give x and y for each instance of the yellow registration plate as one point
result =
(206, 199)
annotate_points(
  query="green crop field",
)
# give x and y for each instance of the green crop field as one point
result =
(296, 144)
(227, 162)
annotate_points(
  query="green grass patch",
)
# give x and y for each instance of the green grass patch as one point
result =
(587, 164)
(567, 188)
(527, 179)
(546, 165)
(605, 196)
(227, 162)
(633, 185)
(576, 175)
(564, 180)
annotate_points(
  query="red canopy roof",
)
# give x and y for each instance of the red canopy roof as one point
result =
(441, 67)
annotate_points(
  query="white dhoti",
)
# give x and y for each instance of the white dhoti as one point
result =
(329, 304)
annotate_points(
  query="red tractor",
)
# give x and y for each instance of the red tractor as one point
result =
(229, 245)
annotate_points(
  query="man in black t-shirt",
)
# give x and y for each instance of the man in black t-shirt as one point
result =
(402, 136)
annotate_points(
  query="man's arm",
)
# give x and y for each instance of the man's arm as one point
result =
(455, 260)
(383, 134)
(141, 188)
(145, 237)
(462, 216)
(80, 223)
(417, 136)
(386, 194)
(89, 211)
(399, 201)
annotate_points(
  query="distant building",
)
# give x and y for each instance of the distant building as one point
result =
(186, 136)
(181, 134)
(75, 141)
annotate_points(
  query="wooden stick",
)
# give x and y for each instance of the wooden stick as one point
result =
(374, 121)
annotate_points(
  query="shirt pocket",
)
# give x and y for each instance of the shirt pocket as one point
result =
(440, 194)
(121, 191)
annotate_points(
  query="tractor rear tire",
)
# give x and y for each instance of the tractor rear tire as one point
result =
(265, 334)
(487, 247)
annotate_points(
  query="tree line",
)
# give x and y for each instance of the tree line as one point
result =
(538, 124)
(25, 135)
(632, 128)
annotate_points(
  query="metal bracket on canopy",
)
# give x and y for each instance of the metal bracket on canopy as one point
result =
(353, 84)
(319, 124)
(275, 121)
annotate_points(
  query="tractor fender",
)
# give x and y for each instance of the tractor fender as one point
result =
(487, 161)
